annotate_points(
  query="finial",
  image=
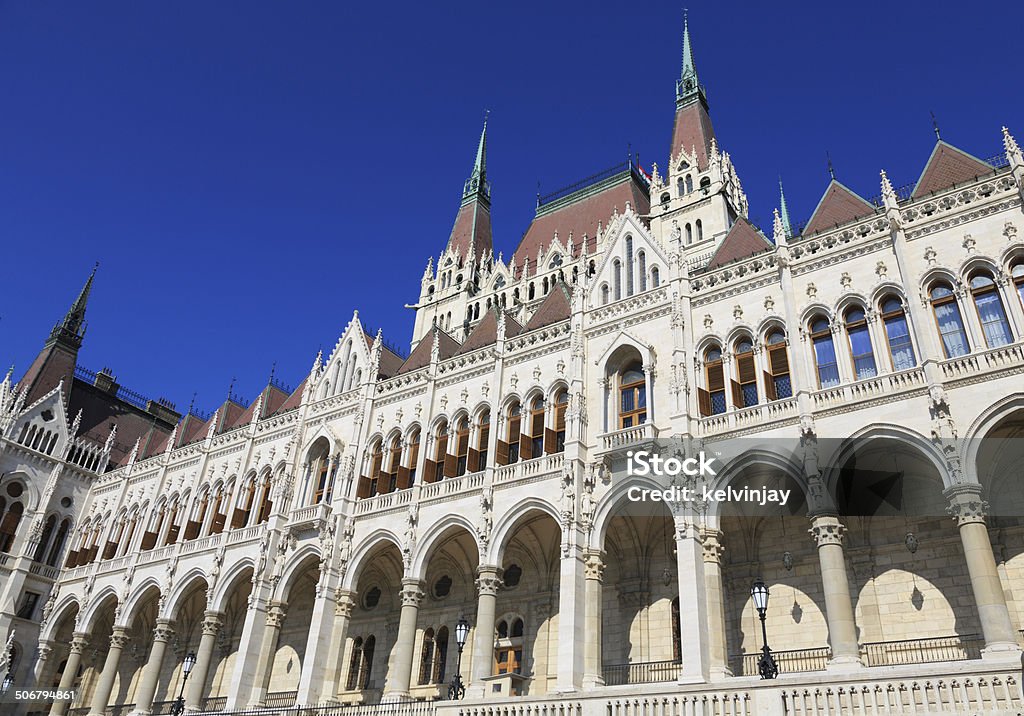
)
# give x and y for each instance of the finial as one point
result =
(1009, 144)
(935, 126)
(831, 170)
(231, 387)
(784, 210)
(191, 404)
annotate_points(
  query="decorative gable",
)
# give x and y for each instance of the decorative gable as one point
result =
(839, 205)
(632, 262)
(947, 166)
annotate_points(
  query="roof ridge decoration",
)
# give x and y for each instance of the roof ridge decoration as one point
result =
(947, 165)
(743, 241)
(784, 212)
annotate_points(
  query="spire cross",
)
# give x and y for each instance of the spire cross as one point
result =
(935, 126)
(831, 170)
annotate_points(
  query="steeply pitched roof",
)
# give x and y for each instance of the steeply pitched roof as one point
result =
(839, 205)
(742, 241)
(390, 363)
(420, 356)
(486, 332)
(472, 228)
(294, 400)
(947, 166)
(556, 307)
(692, 130)
(579, 213)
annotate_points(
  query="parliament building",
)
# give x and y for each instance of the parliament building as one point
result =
(328, 545)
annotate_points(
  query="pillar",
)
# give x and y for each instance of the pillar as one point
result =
(344, 604)
(162, 634)
(101, 697)
(212, 622)
(276, 612)
(487, 584)
(571, 615)
(718, 653)
(842, 631)
(693, 604)
(400, 672)
(45, 649)
(318, 649)
(968, 509)
(244, 674)
(79, 641)
(593, 575)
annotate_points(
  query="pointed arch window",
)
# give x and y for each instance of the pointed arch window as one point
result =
(531, 445)
(617, 279)
(1017, 274)
(629, 265)
(508, 646)
(632, 395)
(461, 446)
(689, 233)
(641, 261)
(744, 388)
(948, 320)
(561, 404)
(435, 465)
(689, 183)
(478, 455)
(990, 310)
(407, 474)
(712, 396)
(368, 482)
(860, 344)
(605, 293)
(246, 497)
(58, 543)
(824, 353)
(700, 230)
(777, 382)
(508, 449)
(655, 277)
(265, 503)
(44, 538)
(897, 334)
(393, 460)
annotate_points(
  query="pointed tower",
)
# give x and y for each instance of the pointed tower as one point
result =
(472, 229)
(56, 361)
(784, 212)
(692, 132)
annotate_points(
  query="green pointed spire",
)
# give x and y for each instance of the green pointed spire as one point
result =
(785, 211)
(477, 185)
(72, 328)
(688, 86)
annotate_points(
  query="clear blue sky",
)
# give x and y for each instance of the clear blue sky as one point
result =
(247, 173)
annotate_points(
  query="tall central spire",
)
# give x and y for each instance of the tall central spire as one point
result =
(693, 131)
(71, 329)
(477, 186)
(688, 86)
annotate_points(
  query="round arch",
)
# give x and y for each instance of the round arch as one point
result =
(230, 580)
(376, 540)
(435, 536)
(182, 589)
(505, 526)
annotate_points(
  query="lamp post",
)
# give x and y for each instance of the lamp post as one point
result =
(5, 686)
(457, 690)
(766, 665)
(186, 668)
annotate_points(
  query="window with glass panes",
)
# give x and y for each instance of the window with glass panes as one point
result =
(744, 387)
(483, 432)
(989, 305)
(462, 446)
(1017, 274)
(948, 321)
(561, 403)
(897, 333)
(824, 353)
(534, 442)
(632, 396)
(860, 344)
(712, 396)
(515, 426)
(777, 382)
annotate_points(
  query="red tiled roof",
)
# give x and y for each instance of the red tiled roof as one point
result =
(838, 205)
(742, 241)
(293, 400)
(486, 332)
(472, 227)
(273, 399)
(947, 166)
(390, 363)
(193, 429)
(420, 356)
(52, 365)
(555, 308)
(101, 411)
(578, 218)
(693, 129)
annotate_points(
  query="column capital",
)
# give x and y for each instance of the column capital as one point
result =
(966, 505)
(119, 637)
(827, 529)
(164, 630)
(212, 622)
(79, 641)
(593, 565)
(276, 612)
(489, 579)
(411, 592)
(344, 602)
(712, 545)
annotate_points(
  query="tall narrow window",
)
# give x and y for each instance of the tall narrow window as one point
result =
(355, 661)
(990, 310)
(389, 478)
(372, 479)
(629, 265)
(265, 504)
(604, 294)
(712, 396)
(897, 333)
(655, 277)
(617, 279)
(949, 321)
(508, 449)
(58, 543)
(860, 344)
(427, 657)
(240, 517)
(1017, 274)
(461, 446)
(366, 663)
(700, 230)
(478, 455)
(632, 396)
(744, 388)
(824, 353)
(677, 640)
(776, 380)
(44, 538)
(689, 183)
(440, 655)
(407, 472)
(689, 234)
(641, 267)
(322, 469)
(561, 403)
(435, 465)
(532, 445)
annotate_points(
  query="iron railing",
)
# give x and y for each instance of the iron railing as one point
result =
(790, 661)
(640, 672)
(280, 698)
(398, 708)
(590, 181)
(922, 651)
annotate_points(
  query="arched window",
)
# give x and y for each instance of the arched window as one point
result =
(531, 445)
(641, 261)
(219, 511)
(366, 663)
(354, 664)
(777, 381)
(461, 445)
(860, 344)
(655, 277)
(561, 403)
(478, 456)
(629, 265)
(246, 497)
(393, 460)
(681, 186)
(617, 279)
(320, 470)
(990, 310)
(824, 352)
(265, 504)
(677, 640)
(689, 183)
(897, 333)
(368, 482)
(58, 543)
(508, 449)
(1017, 274)
(632, 396)
(44, 538)
(440, 655)
(744, 389)
(689, 233)
(949, 321)
(712, 396)
(604, 294)
(437, 468)
(700, 230)
(407, 473)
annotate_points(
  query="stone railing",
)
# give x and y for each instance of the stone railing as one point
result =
(450, 486)
(309, 514)
(756, 415)
(529, 468)
(881, 386)
(791, 661)
(640, 672)
(44, 570)
(202, 544)
(994, 359)
(922, 651)
(245, 534)
(157, 554)
(627, 436)
(113, 565)
(379, 503)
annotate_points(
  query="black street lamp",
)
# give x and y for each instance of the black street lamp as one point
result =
(457, 690)
(766, 665)
(5, 686)
(186, 668)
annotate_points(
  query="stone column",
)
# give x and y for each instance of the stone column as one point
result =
(318, 646)
(212, 622)
(45, 649)
(276, 612)
(967, 507)
(400, 672)
(649, 391)
(79, 641)
(842, 631)
(488, 583)
(718, 653)
(593, 573)
(162, 634)
(101, 696)
(344, 604)
(571, 615)
(693, 604)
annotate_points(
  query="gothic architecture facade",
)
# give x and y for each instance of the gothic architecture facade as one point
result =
(320, 545)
